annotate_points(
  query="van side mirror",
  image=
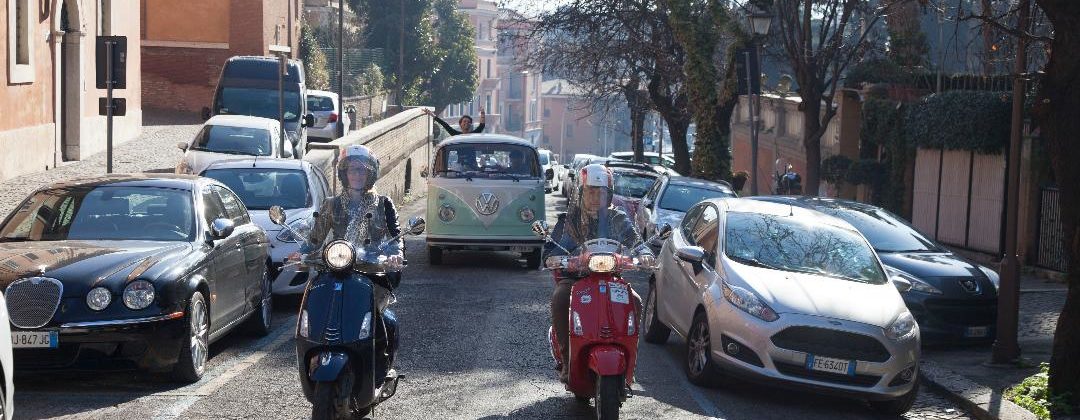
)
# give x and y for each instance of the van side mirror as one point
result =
(205, 113)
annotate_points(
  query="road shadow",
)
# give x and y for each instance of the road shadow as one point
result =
(561, 407)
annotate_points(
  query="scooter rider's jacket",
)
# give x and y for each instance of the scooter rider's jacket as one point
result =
(575, 228)
(365, 223)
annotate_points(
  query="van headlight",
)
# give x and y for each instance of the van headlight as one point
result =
(916, 284)
(748, 302)
(447, 213)
(902, 328)
(138, 294)
(338, 255)
(603, 263)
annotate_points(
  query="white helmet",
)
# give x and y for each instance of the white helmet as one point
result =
(596, 175)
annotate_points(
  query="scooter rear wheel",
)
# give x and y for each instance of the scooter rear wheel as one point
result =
(608, 397)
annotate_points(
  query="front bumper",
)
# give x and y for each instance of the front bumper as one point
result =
(327, 132)
(150, 343)
(510, 243)
(769, 363)
(947, 319)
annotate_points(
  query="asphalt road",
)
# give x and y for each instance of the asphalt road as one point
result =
(473, 347)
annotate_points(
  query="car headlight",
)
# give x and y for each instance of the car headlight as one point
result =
(526, 214)
(99, 298)
(447, 213)
(138, 294)
(303, 322)
(993, 276)
(301, 226)
(902, 328)
(338, 255)
(916, 284)
(365, 327)
(602, 263)
(748, 302)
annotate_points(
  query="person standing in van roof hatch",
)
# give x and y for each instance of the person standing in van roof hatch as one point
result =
(465, 123)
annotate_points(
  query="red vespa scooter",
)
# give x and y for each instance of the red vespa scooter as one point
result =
(603, 321)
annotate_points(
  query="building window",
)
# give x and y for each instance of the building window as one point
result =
(547, 112)
(104, 23)
(487, 103)
(488, 68)
(532, 109)
(21, 14)
(569, 131)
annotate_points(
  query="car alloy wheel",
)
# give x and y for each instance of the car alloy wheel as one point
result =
(199, 336)
(698, 345)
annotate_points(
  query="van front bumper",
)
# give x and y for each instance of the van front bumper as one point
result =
(513, 244)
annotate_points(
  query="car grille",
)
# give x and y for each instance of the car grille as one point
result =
(31, 302)
(800, 371)
(967, 312)
(831, 343)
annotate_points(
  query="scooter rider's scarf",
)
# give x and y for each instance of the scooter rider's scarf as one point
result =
(366, 223)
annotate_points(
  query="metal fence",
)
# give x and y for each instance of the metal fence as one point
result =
(1052, 253)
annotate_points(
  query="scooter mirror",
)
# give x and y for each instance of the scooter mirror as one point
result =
(540, 228)
(277, 215)
(417, 225)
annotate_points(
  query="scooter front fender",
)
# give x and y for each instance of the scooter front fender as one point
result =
(606, 360)
(327, 366)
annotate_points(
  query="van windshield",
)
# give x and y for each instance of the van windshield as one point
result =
(258, 103)
(507, 161)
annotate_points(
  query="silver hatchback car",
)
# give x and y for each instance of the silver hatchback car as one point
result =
(784, 295)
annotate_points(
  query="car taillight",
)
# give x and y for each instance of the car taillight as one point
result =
(333, 117)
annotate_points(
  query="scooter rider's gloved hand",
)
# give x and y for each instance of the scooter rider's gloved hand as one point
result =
(553, 262)
(395, 262)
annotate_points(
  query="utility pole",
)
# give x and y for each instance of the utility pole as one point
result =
(753, 123)
(1006, 349)
(341, 61)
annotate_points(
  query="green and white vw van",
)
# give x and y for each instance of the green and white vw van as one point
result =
(484, 192)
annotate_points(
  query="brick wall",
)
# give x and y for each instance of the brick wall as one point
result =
(403, 145)
(180, 79)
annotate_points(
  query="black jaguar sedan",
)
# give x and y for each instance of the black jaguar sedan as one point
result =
(145, 270)
(952, 299)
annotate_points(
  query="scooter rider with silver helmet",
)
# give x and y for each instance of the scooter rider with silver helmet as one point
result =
(589, 217)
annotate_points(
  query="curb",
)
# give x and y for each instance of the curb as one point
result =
(984, 403)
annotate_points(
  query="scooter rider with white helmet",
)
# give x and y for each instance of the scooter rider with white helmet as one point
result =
(589, 217)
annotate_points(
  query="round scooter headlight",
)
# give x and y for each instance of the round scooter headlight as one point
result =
(602, 263)
(338, 255)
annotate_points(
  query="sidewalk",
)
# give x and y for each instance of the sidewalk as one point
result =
(965, 374)
(152, 151)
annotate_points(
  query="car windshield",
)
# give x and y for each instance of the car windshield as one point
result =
(258, 103)
(681, 197)
(319, 103)
(261, 188)
(499, 161)
(800, 245)
(104, 213)
(885, 231)
(234, 140)
(630, 184)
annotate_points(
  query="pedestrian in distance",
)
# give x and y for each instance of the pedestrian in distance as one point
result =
(464, 123)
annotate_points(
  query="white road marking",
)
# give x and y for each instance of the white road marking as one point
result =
(702, 401)
(212, 384)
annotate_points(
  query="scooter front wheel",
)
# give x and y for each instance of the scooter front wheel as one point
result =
(608, 397)
(324, 403)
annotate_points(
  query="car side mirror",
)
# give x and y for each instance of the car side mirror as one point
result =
(902, 285)
(417, 225)
(549, 174)
(277, 215)
(182, 146)
(309, 120)
(221, 228)
(205, 113)
(540, 228)
(691, 254)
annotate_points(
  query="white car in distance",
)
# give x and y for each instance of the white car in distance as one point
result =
(225, 137)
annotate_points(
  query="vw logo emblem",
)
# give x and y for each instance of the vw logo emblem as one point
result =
(970, 286)
(487, 203)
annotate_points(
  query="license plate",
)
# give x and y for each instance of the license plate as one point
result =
(976, 332)
(619, 293)
(827, 364)
(35, 339)
(521, 249)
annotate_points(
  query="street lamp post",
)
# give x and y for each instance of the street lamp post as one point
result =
(759, 20)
